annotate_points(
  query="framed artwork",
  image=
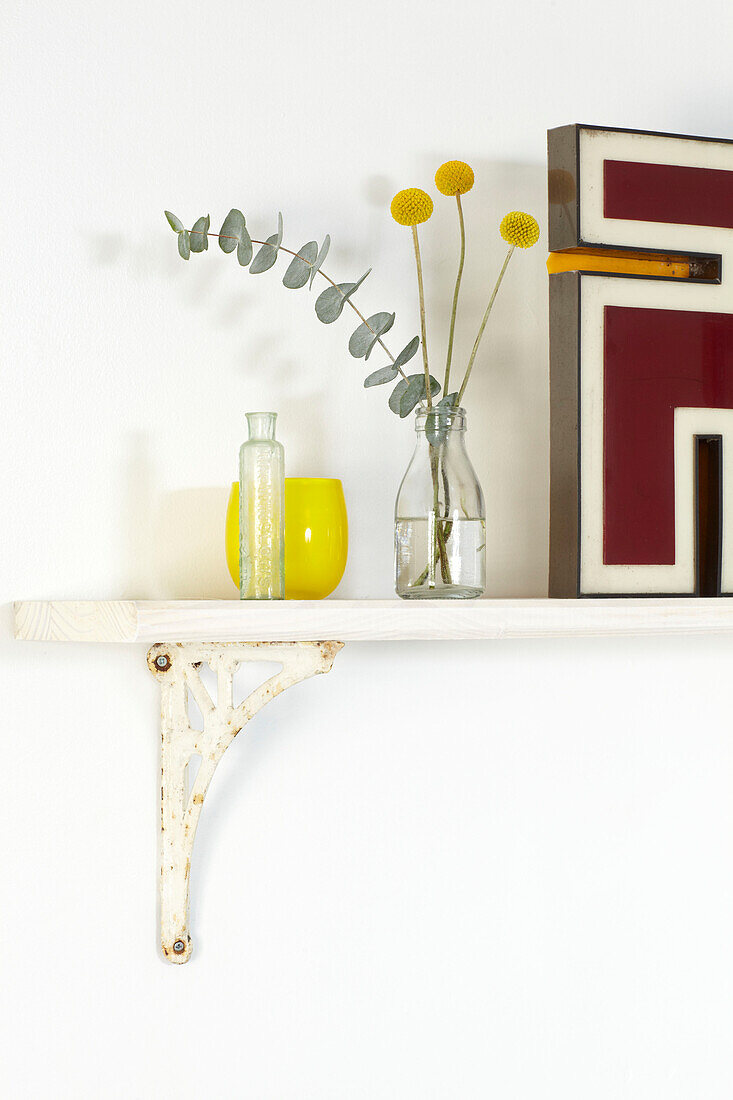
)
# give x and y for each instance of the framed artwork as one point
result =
(641, 363)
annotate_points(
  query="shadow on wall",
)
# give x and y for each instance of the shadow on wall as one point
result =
(174, 541)
(190, 540)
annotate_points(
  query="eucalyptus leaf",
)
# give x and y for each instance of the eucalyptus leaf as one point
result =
(379, 377)
(407, 352)
(244, 248)
(279, 234)
(175, 223)
(332, 300)
(320, 258)
(266, 256)
(355, 286)
(299, 270)
(434, 386)
(415, 392)
(184, 245)
(439, 421)
(361, 340)
(367, 334)
(198, 235)
(375, 341)
(231, 232)
(436, 427)
(396, 396)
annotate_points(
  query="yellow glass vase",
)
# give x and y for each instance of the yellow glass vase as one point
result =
(316, 536)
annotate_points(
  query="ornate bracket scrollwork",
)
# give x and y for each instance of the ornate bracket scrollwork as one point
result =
(176, 668)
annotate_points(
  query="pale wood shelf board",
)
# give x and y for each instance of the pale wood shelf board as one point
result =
(151, 621)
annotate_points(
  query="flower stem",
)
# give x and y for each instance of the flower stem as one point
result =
(482, 326)
(439, 529)
(421, 293)
(455, 296)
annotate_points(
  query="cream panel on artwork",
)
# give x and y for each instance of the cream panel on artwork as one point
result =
(597, 146)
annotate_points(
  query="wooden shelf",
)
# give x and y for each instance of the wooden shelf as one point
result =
(303, 638)
(151, 621)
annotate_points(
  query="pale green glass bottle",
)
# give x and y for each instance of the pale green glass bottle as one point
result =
(261, 509)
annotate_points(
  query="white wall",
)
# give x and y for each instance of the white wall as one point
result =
(442, 871)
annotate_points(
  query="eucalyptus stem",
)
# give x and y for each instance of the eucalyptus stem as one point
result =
(482, 326)
(421, 292)
(455, 296)
(441, 554)
(357, 311)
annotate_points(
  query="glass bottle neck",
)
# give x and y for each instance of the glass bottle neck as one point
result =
(440, 426)
(261, 425)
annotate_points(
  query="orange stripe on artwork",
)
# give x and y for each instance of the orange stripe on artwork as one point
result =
(617, 264)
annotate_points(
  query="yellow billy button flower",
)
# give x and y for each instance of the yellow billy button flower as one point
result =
(411, 206)
(455, 177)
(519, 229)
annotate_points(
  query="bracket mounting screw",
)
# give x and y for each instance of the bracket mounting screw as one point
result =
(179, 947)
(163, 662)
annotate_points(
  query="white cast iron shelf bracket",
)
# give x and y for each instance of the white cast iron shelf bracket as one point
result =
(176, 668)
(190, 633)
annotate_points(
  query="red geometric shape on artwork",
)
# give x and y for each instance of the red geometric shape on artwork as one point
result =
(654, 361)
(667, 193)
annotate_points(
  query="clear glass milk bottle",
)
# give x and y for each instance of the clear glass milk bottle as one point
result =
(440, 520)
(261, 494)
